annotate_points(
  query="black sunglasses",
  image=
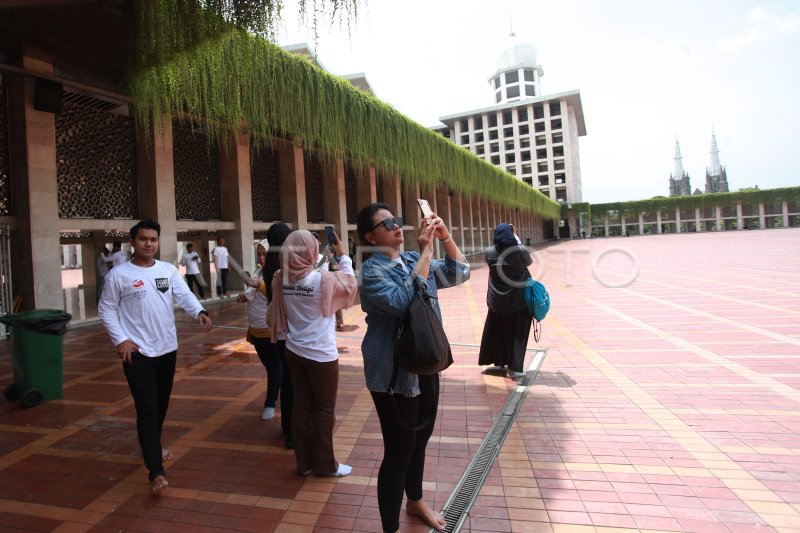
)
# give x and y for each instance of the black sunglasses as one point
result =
(389, 223)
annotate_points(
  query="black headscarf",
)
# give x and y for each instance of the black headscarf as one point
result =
(276, 235)
(504, 236)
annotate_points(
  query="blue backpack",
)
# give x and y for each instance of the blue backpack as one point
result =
(536, 299)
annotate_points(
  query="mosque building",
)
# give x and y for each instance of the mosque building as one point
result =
(530, 135)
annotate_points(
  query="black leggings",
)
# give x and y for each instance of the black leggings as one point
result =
(403, 463)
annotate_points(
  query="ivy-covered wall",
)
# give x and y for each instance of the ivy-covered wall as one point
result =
(703, 201)
(188, 61)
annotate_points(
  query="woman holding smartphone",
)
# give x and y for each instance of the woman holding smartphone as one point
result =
(387, 288)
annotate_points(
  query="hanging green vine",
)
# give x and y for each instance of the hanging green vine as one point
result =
(204, 67)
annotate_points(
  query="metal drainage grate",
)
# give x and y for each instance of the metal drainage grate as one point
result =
(458, 505)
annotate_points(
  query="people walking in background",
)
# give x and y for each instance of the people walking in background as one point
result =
(508, 323)
(388, 281)
(118, 256)
(221, 262)
(258, 334)
(304, 301)
(191, 260)
(101, 268)
(137, 311)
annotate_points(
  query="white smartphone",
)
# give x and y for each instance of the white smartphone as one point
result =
(425, 207)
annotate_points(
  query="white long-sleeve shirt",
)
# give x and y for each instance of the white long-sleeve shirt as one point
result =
(137, 304)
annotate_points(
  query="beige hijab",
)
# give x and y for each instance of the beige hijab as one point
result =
(298, 257)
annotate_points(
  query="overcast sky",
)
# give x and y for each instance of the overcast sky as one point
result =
(647, 71)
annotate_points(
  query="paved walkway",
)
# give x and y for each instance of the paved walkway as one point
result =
(669, 400)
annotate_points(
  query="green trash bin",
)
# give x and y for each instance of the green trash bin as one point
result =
(37, 350)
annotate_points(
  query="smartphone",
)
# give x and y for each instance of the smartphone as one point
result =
(425, 207)
(331, 234)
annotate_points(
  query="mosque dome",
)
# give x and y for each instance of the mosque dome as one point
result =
(516, 54)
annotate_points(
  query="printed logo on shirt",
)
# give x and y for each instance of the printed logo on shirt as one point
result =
(138, 284)
(298, 290)
(162, 284)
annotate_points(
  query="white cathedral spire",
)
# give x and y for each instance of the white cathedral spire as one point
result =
(677, 171)
(715, 169)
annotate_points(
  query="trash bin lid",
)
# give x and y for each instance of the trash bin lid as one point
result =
(50, 321)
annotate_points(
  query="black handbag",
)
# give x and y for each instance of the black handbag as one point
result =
(422, 347)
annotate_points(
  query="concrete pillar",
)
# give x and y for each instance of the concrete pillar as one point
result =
(588, 225)
(739, 219)
(292, 177)
(605, 220)
(157, 185)
(460, 234)
(36, 242)
(88, 256)
(487, 233)
(366, 186)
(762, 219)
(785, 211)
(392, 195)
(237, 204)
(445, 212)
(469, 237)
(697, 225)
(677, 220)
(202, 248)
(641, 223)
(480, 222)
(335, 206)
(412, 216)
(718, 213)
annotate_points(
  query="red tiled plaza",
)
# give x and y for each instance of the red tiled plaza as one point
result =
(669, 400)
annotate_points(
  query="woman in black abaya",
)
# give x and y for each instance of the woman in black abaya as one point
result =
(508, 324)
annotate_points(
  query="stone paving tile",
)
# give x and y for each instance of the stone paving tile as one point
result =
(668, 402)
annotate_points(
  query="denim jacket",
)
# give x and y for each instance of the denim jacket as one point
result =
(386, 293)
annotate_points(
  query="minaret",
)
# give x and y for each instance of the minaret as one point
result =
(518, 74)
(716, 178)
(679, 179)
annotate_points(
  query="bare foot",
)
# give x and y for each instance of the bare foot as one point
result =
(429, 516)
(166, 455)
(159, 484)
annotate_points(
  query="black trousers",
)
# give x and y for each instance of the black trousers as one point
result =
(403, 463)
(191, 280)
(222, 282)
(270, 356)
(150, 381)
(287, 394)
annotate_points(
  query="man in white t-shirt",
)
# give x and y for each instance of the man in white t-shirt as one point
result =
(101, 270)
(221, 262)
(191, 260)
(117, 257)
(137, 311)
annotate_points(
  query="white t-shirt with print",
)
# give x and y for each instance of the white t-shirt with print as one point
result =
(137, 304)
(311, 335)
(221, 257)
(118, 258)
(191, 260)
